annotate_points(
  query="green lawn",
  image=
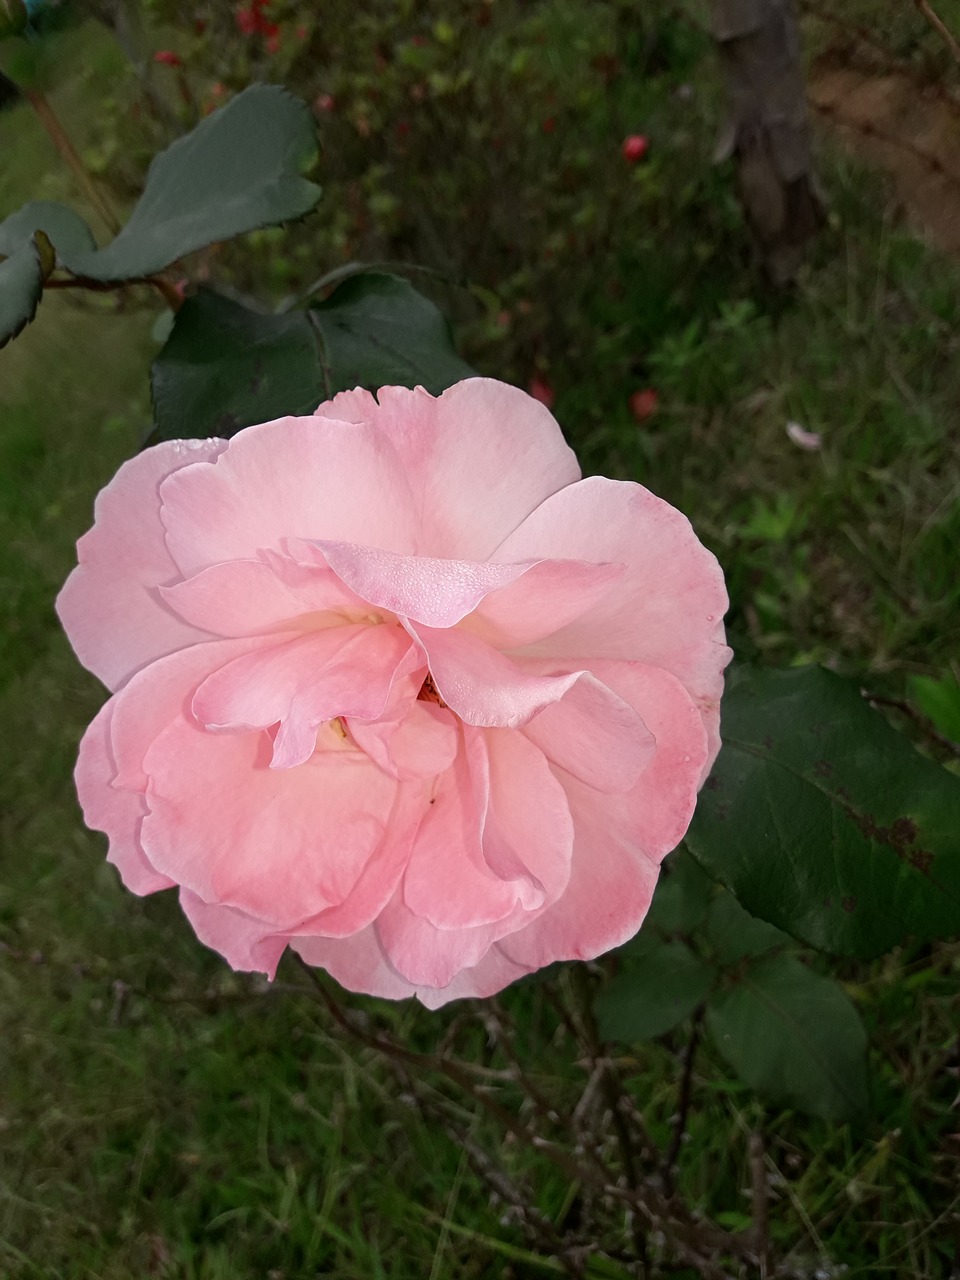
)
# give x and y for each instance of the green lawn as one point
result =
(164, 1117)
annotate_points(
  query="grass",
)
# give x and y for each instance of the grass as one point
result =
(164, 1117)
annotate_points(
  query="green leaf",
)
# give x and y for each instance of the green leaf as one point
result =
(239, 169)
(734, 933)
(65, 229)
(682, 896)
(225, 366)
(794, 1037)
(653, 993)
(939, 700)
(21, 285)
(825, 821)
(378, 331)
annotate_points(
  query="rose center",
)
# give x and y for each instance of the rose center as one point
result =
(428, 692)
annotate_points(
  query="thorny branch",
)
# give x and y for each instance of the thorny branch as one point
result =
(690, 1240)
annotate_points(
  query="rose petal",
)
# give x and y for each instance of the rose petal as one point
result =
(293, 478)
(549, 595)
(669, 608)
(241, 597)
(281, 845)
(109, 607)
(594, 735)
(478, 458)
(157, 695)
(420, 744)
(115, 812)
(339, 671)
(245, 943)
(619, 843)
(436, 592)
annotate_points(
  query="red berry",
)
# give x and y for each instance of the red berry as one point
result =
(167, 58)
(634, 148)
(643, 404)
(541, 390)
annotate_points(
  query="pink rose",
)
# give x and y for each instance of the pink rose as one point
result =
(393, 686)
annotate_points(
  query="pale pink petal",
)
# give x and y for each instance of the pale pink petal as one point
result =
(527, 832)
(109, 606)
(420, 744)
(241, 597)
(490, 974)
(245, 943)
(159, 693)
(448, 881)
(547, 597)
(594, 735)
(620, 840)
(436, 592)
(669, 609)
(281, 845)
(293, 478)
(381, 874)
(479, 459)
(338, 671)
(358, 963)
(482, 685)
(115, 812)
(425, 955)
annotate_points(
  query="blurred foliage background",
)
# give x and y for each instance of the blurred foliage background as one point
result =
(164, 1117)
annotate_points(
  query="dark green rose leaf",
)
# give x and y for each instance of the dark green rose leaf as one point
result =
(825, 821)
(652, 993)
(377, 330)
(239, 169)
(793, 1036)
(66, 230)
(735, 934)
(682, 896)
(226, 366)
(21, 285)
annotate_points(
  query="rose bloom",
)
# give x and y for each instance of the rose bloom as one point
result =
(394, 686)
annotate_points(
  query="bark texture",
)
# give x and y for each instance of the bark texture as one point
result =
(767, 131)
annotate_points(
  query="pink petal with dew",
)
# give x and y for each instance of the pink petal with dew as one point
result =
(241, 597)
(436, 592)
(479, 458)
(109, 606)
(339, 671)
(619, 840)
(281, 845)
(668, 610)
(115, 812)
(293, 478)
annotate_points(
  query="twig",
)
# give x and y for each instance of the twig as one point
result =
(683, 1104)
(759, 1195)
(921, 721)
(61, 140)
(941, 28)
(694, 1242)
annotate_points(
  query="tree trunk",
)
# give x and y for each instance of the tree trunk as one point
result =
(767, 131)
